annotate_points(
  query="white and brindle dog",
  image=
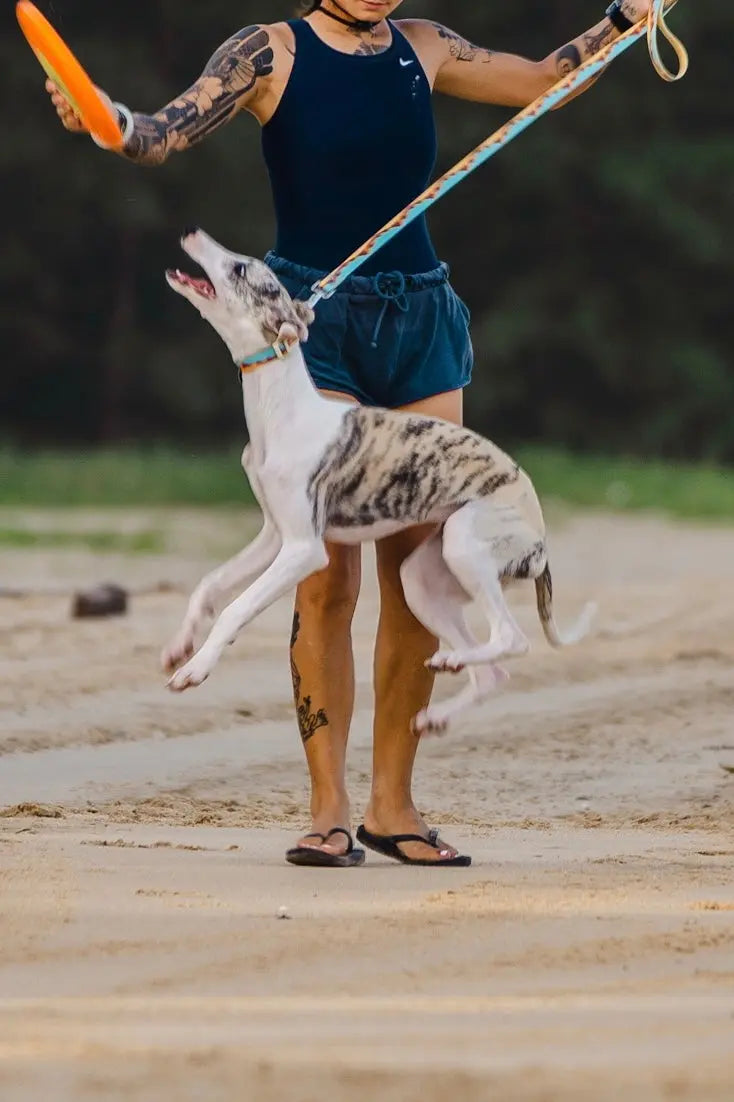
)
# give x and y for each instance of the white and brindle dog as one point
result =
(323, 469)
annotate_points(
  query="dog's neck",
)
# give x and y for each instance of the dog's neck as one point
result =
(277, 396)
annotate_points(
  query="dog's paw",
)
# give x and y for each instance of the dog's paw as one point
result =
(430, 721)
(194, 673)
(178, 651)
(444, 661)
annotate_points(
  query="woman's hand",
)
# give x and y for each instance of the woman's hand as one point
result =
(635, 10)
(64, 110)
(68, 115)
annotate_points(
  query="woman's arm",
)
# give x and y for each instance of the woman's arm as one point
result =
(233, 79)
(470, 72)
(229, 83)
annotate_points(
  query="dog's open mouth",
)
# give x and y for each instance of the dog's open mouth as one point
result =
(200, 284)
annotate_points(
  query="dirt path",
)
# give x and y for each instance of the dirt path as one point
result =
(588, 952)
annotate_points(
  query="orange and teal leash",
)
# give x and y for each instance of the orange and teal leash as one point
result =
(652, 26)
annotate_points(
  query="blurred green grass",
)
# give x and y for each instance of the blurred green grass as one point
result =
(122, 477)
(164, 476)
(689, 491)
(127, 542)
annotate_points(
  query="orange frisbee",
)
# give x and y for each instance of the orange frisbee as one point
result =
(66, 72)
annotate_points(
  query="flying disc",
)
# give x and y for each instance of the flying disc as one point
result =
(68, 75)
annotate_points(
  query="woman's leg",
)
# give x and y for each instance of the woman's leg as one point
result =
(322, 670)
(402, 684)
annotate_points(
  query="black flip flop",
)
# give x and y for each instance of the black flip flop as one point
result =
(389, 846)
(303, 855)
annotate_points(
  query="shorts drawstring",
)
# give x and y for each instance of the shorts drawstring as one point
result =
(390, 287)
(384, 357)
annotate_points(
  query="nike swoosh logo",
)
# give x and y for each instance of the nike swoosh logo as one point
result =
(404, 63)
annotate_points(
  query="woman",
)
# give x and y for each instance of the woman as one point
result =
(343, 97)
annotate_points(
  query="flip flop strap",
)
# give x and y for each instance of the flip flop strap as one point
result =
(396, 839)
(347, 835)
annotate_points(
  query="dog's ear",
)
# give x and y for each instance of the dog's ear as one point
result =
(284, 314)
(300, 318)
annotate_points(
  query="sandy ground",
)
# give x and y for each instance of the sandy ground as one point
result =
(587, 954)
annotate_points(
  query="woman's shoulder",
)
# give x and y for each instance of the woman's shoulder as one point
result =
(282, 34)
(419, 29)
(425, 39)
(279, 34)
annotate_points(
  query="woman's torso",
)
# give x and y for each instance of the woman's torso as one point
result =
(351, 141)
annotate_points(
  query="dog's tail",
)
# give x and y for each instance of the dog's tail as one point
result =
(544, 597)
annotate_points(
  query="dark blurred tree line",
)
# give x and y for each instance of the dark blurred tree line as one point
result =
(595, 252)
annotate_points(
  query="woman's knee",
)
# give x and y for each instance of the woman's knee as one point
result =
(333, 592)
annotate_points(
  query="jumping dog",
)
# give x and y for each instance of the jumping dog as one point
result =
(327, 470)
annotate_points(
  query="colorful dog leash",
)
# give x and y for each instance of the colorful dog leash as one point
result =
(654, 24)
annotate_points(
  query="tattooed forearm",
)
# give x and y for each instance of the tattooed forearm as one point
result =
(462, 50)
(230, 75)
(309, 721)
(568, 58)
(596, 39)
(517, 81)
(631, 8)
(573, 54)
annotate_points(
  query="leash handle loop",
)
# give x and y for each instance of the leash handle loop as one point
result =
(657, 22)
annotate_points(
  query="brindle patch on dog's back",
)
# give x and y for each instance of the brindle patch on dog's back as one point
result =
(388, 466)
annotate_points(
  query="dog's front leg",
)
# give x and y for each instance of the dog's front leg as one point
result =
(240, 571)
(296, 560)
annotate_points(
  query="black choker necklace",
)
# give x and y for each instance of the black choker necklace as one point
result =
(355, 24)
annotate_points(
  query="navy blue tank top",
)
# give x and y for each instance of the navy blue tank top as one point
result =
(352, 141)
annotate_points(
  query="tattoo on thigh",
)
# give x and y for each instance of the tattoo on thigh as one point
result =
(308, 720)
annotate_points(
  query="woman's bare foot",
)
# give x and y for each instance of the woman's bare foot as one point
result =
(329, 841)
(321, 826)
(384, 820)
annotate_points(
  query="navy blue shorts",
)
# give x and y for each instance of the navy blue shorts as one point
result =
(388, 340)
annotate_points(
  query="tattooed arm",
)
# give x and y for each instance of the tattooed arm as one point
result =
(237, 76)
(231, 80)
(470, 72)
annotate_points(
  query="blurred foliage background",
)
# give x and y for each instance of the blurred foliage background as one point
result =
(595, 253)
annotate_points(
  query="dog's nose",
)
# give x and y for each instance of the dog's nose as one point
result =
(190, 231)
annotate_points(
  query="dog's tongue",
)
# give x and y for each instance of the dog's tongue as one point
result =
(200, 285)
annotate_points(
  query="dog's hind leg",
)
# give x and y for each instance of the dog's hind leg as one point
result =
(435, 597)
(478, 540)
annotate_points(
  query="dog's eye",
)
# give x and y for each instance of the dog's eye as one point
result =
(239, 269)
